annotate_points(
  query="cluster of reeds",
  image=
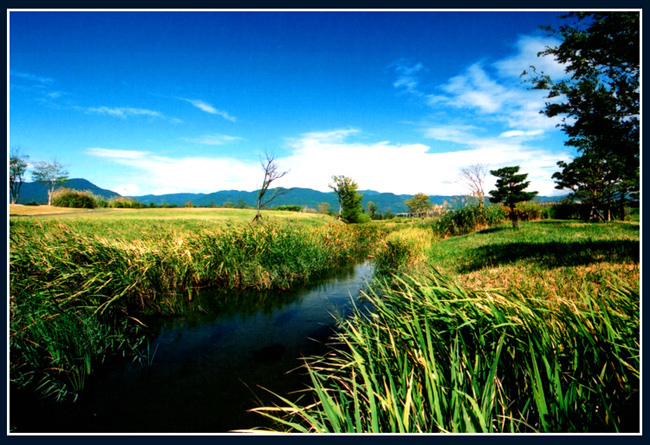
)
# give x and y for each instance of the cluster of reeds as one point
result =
(65, 197)
(467, 219)
(78, 292)
(433, 356)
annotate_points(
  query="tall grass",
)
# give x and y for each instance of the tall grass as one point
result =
(435, 356)
(78, 291)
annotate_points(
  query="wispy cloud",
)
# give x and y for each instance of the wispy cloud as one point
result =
(407, 75)
(124, 112)
(208, 108)
(31, 77)
(213, 139)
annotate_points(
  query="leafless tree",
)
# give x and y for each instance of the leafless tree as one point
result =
(271, 173)
(474, 179)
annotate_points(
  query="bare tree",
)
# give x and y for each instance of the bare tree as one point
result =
(271, 173)
(474, 179)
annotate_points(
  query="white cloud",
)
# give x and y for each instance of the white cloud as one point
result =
(124, 112)
(527, 49)
(199, 174)
(407, 72)
(407, 169)
(31, 77)
(208, 108)
(213, 139)
(127, 189)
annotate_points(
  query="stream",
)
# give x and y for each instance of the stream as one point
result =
(201, 372)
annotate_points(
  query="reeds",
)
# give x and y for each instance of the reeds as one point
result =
(78, 291)
(434, 356)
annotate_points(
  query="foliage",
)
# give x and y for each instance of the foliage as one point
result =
(51, 174)
(510, 190)
(17, 168)
(289, 208)
(419, 204)
(371, 209)
(350, 207)
(600, 103)
(65, 197)
(124, 203)
(468, 219)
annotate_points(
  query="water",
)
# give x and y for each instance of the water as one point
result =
(207, 368)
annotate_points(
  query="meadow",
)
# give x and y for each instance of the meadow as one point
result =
(487, 329)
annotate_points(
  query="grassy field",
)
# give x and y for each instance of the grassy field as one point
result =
(535, 330)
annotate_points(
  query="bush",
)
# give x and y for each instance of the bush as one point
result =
(468, 219)
(289, 207)
(74, 198)
(124, 203)
(529, 211)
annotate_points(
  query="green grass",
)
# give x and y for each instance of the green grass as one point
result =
(80, 284)
(537, 331)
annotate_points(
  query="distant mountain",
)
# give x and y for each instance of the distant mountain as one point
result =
(35, 191)
(305, 197)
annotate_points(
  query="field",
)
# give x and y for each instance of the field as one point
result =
(508, 330)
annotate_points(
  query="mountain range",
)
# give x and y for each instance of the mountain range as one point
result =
(305, 197)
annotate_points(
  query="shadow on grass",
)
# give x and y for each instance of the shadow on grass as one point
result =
(554, 254)
(492, 230)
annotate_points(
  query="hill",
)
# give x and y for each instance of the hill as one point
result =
(35, 191)
(297, 196)
(305, 197)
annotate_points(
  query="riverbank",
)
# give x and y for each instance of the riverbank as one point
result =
(80, 286)
(535, 330)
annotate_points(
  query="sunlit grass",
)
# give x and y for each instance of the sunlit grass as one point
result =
(537, 331)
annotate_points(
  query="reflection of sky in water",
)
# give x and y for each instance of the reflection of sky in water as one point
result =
(209, 365)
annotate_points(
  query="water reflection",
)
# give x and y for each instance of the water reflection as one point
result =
(211, 363)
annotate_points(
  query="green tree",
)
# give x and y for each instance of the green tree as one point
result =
(418, 205)
(350, 207)
(371, 209)
(600, 106)
(17, 168)
(51, 174)
(510, 190)
(271, 174)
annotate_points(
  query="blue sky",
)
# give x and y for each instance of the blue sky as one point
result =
(167, 101)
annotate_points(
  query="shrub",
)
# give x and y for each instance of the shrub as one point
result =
(529, 211)
(124, 203)
(74, 198)
(468, 219)
(289, 207)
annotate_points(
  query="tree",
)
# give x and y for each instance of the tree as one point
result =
(271, 174)
(350, 208)
(473, 177)
(510, 190)
(17, 168)
(600, 105)
(371, 208)
(50, 174)
(418, 205)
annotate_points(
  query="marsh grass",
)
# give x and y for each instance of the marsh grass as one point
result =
(435, 356)
(538, 331)
(79, 287)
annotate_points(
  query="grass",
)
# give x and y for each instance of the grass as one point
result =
(80, 284)
(537, 331)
